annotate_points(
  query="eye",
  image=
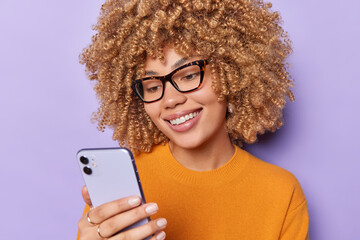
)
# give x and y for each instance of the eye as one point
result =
(191, 76)
(151, 86)
(153, 89)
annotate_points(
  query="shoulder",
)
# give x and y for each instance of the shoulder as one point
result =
(269, 172)
(274, 181)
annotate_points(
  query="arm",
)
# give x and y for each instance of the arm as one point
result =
(296, 224)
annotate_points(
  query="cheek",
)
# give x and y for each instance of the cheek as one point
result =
(209, 97)
(147, 109)
(151, 110)
(210, 100)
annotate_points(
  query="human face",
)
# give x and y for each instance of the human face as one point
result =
(206, 116)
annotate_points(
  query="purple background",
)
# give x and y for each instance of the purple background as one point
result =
(46, 102)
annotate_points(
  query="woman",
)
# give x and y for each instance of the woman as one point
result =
(183, 83)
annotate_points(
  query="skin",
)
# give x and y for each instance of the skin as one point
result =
(197, 148)
(200, 144)
(115, 216)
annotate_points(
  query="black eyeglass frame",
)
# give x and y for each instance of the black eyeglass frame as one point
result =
(168, 77)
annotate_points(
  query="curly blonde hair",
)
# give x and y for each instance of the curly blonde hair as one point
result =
(242, 39)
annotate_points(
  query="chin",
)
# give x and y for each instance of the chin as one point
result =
(186, 144)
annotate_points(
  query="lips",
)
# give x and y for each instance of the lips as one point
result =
(182, 117)
(184, 120)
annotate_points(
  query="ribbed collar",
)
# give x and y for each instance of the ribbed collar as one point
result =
(234, 168)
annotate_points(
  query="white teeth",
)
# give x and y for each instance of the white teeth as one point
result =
(183, 119)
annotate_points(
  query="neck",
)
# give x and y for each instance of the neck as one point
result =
(208, 156)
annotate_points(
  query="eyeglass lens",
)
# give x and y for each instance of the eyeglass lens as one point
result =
(185, 79)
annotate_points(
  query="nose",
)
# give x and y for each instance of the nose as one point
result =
(172, 97)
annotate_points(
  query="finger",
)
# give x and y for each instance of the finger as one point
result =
(87, 230)
(121, 221)
(86, 197)
(108, 210)
(144, 231)
(159, 236)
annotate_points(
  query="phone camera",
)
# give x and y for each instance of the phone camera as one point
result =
(84, 160)
(87, 170)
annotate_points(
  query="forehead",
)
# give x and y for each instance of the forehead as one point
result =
(170, 58)
(170, 62)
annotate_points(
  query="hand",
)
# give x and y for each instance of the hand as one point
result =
(114, 216)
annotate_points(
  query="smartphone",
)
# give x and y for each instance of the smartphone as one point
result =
(110, 174)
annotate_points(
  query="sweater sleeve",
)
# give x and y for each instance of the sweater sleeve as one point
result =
(296, 224)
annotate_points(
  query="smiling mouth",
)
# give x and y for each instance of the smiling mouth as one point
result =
(185, 118)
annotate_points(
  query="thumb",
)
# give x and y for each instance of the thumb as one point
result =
(86, 197)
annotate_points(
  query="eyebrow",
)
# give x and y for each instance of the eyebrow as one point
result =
(177, 64)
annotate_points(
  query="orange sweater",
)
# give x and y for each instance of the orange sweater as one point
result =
(244, 199)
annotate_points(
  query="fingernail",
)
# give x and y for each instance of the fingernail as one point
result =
(151, 209)
(161, 235)
(161, 222)
(133, 201)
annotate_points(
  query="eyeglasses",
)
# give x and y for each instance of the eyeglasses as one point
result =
(186, 78)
